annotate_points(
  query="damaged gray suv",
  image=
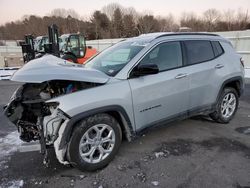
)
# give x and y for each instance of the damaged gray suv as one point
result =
(84, 111)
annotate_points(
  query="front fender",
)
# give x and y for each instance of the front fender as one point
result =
(130, 132)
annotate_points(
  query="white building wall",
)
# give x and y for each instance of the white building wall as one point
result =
(241, 42)
(102, 43)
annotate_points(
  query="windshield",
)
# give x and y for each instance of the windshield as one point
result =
(62, 42)
(39, 43)
(113, 59)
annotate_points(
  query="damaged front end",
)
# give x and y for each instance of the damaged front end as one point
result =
(30, 108)
(38, 119)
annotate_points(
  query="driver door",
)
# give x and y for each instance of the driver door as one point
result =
(161, 96)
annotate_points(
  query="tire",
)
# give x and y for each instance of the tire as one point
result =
(70, 58)
(88, 127)
(220, 114)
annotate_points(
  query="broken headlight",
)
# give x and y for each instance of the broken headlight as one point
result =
(50, 107)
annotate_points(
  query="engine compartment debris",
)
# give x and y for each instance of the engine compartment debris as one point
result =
(28, 103)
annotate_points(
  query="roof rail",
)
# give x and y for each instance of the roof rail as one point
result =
(187, 33)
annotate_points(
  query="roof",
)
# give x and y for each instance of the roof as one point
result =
(65, 35)
(152, 36)
(40, 37)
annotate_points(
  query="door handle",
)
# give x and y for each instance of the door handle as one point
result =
(219, 66)
(182, 75)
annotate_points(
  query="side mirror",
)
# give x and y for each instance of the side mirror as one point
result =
(147, 69)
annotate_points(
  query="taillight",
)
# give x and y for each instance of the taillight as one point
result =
(242, 62)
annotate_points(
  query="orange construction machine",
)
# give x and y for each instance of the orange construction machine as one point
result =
(71, 47)
(74, 48)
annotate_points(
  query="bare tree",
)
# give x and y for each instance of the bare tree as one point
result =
(131, 11)
(59, 12)
(110, 9)
(129, 26)
(64, 13)
(101, 24)
(192, 21)
(73, 13)
(167, 23)
(117, 22)
(243, 19)
(229, 18)
(148, 24)
(211, 17)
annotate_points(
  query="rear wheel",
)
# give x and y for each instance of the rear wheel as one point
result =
(94, 142)
(226, 106)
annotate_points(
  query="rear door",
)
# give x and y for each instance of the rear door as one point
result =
(204, 73)
(164, 95)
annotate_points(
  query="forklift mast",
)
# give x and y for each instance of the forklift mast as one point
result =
(28, 49)
(74, 47)
(53, 46)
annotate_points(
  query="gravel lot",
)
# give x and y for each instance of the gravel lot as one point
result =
(192, 153)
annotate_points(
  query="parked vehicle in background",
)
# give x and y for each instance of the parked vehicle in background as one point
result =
(28, 48)
(136, 84)
(71, 47)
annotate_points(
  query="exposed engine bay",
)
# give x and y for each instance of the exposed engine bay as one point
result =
(28, 107)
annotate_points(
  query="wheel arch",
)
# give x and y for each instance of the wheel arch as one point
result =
(116, 111)
(234, 82)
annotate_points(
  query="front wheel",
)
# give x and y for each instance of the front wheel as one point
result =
(94, 142)
(226, 106)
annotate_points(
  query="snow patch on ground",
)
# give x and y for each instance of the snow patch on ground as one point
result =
(8, 145)
(5, 74)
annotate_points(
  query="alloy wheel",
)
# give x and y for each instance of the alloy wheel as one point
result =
(228, 105)
(97, 143)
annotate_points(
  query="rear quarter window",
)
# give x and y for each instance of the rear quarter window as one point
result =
(218, 50)
(198, 51)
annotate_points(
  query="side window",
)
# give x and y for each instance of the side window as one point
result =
(166, 56)
(198, 51)
(218, 50)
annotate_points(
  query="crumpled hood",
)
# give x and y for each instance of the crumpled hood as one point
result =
(50, 67)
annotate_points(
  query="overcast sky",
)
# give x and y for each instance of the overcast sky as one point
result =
(11, 10)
